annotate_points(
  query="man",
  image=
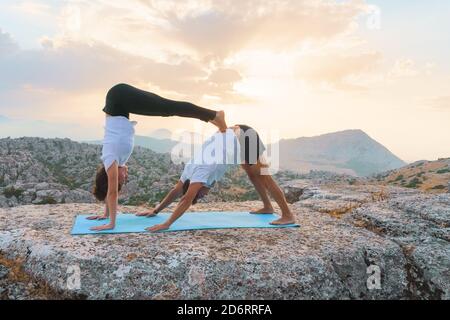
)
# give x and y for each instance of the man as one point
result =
(199, 176)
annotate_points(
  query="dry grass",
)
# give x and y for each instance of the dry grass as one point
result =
(381, 195)
(339, 212)
(427, 174)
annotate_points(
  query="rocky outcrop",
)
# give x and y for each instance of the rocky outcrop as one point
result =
(420, 225)
(42, 193)
(67, 168)
(66, 171)
(389, 244)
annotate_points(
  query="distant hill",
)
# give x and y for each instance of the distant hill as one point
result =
(432, 176)
(350, 152)
(161, 134)
(154, 144)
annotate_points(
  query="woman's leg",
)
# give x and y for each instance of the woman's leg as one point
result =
(124, 99)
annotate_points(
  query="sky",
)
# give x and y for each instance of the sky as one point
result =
(289, 67)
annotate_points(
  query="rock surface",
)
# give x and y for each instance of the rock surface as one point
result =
(349, 235)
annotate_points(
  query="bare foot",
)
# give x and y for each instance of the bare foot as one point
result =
(263, 211)
(219, 121)
(283, 221)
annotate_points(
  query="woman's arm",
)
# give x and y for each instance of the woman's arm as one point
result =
(112, 197)
(183, 205)
(101, 217)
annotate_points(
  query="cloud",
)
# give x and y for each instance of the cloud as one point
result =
(32, 7)
(70, 66)
(7, 44)
(441, 103)
(405, 68)
(339, 71)
(220, 28)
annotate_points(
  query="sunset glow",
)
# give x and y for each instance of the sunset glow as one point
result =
(301, 67)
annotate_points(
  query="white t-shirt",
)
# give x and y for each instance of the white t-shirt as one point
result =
(118, 141)
(213, 159)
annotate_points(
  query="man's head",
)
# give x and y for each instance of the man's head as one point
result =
(200, 194)
(123, 175)
(100, 189)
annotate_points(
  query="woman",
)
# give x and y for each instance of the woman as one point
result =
(198, 178)
(121, 101)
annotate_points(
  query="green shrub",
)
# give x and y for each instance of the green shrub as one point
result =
(12, 192)
(438, 187)
(413, 183)
(442, 171)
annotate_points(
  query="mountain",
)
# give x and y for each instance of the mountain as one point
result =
(3, 119)
(154, 144)
(431, 176)
(162, 134)
(350, 152)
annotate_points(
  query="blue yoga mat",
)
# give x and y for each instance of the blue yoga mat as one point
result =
(129, 223)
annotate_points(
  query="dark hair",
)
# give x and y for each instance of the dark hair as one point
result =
(185, 189)
(244, 142)
(100, 189)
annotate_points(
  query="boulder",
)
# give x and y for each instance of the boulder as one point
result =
(355, 242)
(49, 197)
(324, 259)
(78, 196)
(420, 225)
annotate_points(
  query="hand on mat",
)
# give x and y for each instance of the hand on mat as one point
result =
(158, 227)
(150, 213)
(103, 227)
(101, 217)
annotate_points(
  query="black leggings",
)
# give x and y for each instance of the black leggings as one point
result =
(123, 99)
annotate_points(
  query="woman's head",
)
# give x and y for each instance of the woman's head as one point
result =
(100, 189)
(200, 194)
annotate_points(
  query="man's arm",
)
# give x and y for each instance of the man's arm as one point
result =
(171, 196)
(168, 199)
(183, 205)
(112, 197)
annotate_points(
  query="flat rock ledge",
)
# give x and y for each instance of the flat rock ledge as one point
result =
(368, 253)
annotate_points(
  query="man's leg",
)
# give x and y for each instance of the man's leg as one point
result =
(277, 194)
(253, 175)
